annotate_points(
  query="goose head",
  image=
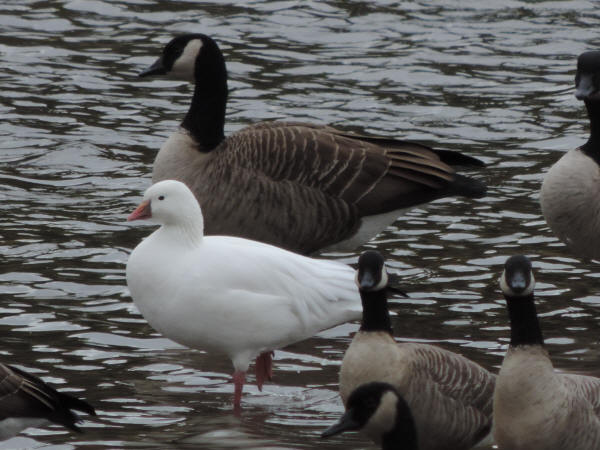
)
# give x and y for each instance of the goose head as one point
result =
(371, 274)
(587, 79)
(380, 411)
(517, 278)
(170, 203)
(189, 57)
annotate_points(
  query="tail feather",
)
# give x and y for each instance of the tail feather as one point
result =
(468, 187)
(453, 158)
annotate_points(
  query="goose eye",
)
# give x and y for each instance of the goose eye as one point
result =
(161, 197)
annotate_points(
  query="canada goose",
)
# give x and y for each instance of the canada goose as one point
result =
(535, 407)
(26, 401)
(299, 186)
(380, 410)
(570, 190)
(450, 396)
(227, 294)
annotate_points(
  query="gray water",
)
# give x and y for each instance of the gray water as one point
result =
(80, 131)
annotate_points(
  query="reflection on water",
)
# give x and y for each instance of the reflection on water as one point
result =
(80, 132)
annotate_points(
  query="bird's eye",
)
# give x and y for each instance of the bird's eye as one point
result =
(161, 197)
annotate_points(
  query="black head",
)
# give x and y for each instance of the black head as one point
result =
(378, 409)
(179, 57)
(371, 274)
(587, 79)
(517, 279)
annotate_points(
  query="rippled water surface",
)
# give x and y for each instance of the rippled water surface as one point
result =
(80, 131)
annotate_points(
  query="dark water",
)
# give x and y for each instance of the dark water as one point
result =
(80, 131)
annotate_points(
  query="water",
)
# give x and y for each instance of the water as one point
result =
(80, 131)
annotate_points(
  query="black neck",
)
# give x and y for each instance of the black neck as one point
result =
(376, 316)
(524, 325)
(404, 432)
(205, 119)
(592, 146)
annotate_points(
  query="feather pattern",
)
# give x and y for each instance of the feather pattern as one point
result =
(296, 185)
(24, 396)
(449, 395)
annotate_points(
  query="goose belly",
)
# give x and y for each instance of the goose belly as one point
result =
(570, 202)
(370, 226)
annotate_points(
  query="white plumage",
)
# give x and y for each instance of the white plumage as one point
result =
(230, 295)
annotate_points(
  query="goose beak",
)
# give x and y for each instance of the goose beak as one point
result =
(366, 281)
(143, 211)
(585, 87)
(346, 423)
(517, 282)
(157, 68)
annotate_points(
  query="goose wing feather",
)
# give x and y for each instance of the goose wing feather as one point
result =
(452, 394)
(24, 395)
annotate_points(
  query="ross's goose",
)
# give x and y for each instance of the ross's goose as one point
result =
(450, 396)
(230, 295)
(300, 186)
(26, 401)
(380, 411)
(534, 406)
(571, 188)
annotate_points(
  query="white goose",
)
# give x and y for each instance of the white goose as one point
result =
(300, 186)
(230, 295)
(534, 406)
(26, 401)
(449, 395)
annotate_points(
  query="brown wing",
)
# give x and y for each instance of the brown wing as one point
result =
(392, 173)
(458, 396)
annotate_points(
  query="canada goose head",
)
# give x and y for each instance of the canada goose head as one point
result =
(380, 411)
(189, 57)
(517, 283)
(587, 79)
(371, 274)
(169, 202)
(517, 278)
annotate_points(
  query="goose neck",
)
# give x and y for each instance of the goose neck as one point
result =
(524, 323)
(376, 316)
(404, 431)
(205, 120)
(592, 146)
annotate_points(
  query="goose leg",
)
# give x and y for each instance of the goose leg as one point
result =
(264, 368)
(239, 378)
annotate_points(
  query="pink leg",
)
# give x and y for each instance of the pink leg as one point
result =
(238, 379)
(264, 368)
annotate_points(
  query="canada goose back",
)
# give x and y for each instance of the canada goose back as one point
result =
(299, 186)
(450, 396)
(570, 189)
(535, 407)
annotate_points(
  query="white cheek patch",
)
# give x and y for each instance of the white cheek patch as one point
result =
(384, 418)
(184, 66)
(383, 281)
